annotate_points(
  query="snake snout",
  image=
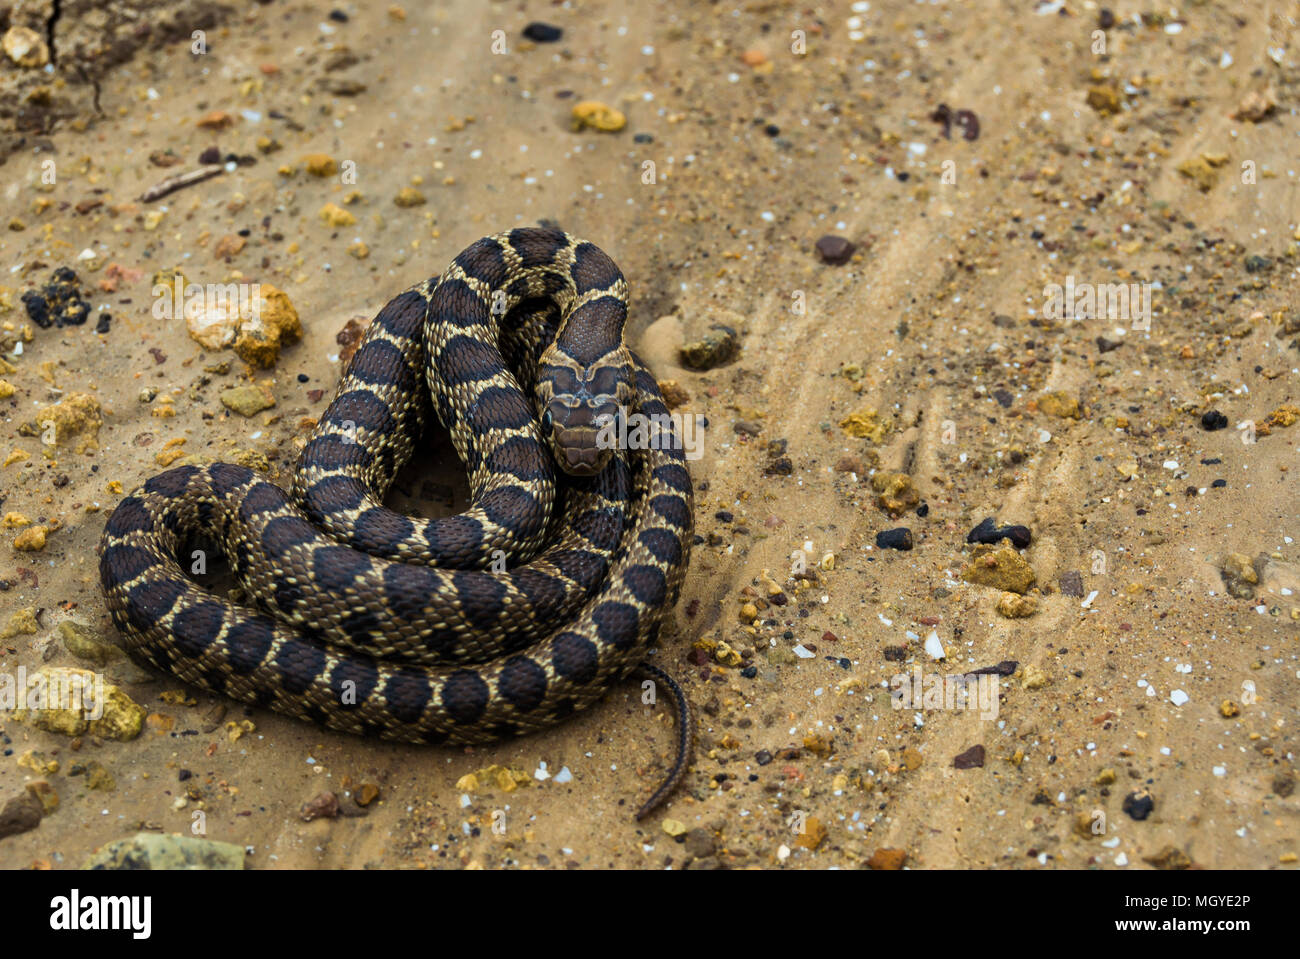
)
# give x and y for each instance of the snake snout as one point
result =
(578, 435)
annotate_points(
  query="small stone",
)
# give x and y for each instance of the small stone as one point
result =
(323, 806)
(1229, 709)
(1104, 99)
(229, 245)
(1214, 420)
(865, 424)
(21, 623)
(1170, 857)
(675, 395)
(1138, 804)
(25, 47)
(1071, 583)
(896, 493)
(835, 250)
(1256, 106)
(989, 532)
(334, 215)
(542, 32)
(19, 814)
(900, 538)
(45, 795)
(1060, 404)
(247, 400)
(1258, 264)
(673, 827)
(215, 120)
(813, 835)
(152, 851)
(409, 196)
(887, 859)
(1014, 606)
(366, 794)
(86, 643)
(1239, 575)
(912, 758)
(1035, 677)
(716, 347)
(320, 164)
(31, 540)
(78, 416)
(1105, 778)
(700, 844)
(273, 324)
(1000, 567)
(972, 758)
(97, 777)
(594, 115)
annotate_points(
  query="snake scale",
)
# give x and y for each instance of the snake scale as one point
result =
(466, 629)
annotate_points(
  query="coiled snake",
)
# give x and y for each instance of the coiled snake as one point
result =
(457, 629)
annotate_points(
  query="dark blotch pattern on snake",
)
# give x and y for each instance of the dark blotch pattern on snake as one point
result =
(495, 622)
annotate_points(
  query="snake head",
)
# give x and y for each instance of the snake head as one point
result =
(581, 406)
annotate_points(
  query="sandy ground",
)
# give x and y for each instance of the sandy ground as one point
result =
(767, 125)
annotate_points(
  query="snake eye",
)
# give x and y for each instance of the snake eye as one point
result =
(547, 421)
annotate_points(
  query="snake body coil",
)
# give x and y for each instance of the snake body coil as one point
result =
(465, 629)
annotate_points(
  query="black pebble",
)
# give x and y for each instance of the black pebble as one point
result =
(1214, 420)
(1219, 483)
(542, 32)
(835, 249)
(900, 538)
(772, 130)
(749, 672)
(762, 757)
(643, 138)
(210, 155)
(338, 16)
(989, 532)
(104, 322)
(1139, 805)
(923, 510)
(303, 377)
(723, 515)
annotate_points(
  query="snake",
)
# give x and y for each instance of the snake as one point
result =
(501, 620)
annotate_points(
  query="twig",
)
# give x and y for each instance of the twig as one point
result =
(174, 183)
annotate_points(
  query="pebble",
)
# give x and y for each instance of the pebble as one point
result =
(887, 859)
(1214, 420)
(1015, 606)
(989, 532)
(716, 347)
(247, 400)
(542, 32)
(900, 538)
(59, 302)
(323, 806)
(594, 115)
(700, 844)
(972, 758)
(835, 250)
(1002, 568)
(20, 813)
(152, 851)
(1138, 804)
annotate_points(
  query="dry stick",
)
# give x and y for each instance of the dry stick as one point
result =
(173, 183)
